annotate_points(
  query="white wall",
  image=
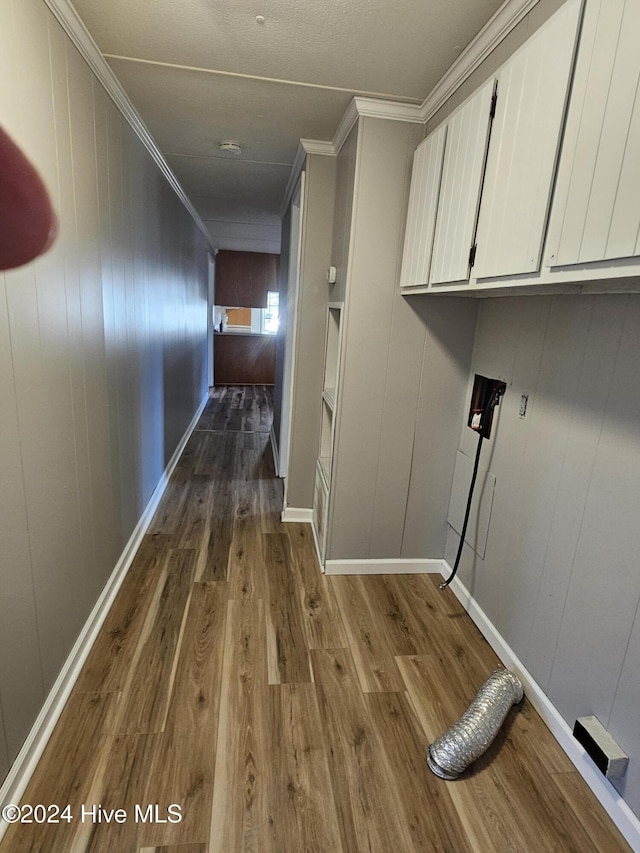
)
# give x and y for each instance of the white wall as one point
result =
(102, 356)
(560, 579)
(401, 359)
(312, 314)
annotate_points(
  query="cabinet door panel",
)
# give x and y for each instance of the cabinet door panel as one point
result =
(423, 203)
(532, 94)
(460, 189)
(596, 212)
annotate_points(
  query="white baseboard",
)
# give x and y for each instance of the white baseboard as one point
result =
(23, 767)
(274, 450)
(294, 513)
(612, 802)
(384, 567)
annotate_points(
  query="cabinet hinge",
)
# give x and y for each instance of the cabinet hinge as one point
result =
(494, 101)
(472, 255)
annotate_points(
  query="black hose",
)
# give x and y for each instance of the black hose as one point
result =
(454, 571)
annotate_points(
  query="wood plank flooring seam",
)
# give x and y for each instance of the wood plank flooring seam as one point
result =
(176, 657)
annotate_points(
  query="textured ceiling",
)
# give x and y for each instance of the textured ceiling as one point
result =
(201, 71)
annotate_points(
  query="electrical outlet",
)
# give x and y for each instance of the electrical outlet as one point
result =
(524, 401)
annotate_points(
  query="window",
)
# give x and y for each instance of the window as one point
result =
(270, 317)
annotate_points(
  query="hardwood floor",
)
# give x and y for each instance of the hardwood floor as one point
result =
(280, 709)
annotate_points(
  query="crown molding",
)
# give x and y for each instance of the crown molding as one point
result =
(347, 122)
(318, 146)
(495, 30)
(72, 24)
(504, 20)
(390, 110)
(305, 146)
(374, 108)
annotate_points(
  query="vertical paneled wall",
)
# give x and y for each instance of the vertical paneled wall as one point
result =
(560, 577)
(315, 258)
(383, 374)
(102, 356)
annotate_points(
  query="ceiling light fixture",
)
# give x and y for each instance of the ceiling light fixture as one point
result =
(228, 146)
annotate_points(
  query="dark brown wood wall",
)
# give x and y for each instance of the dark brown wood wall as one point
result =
(243, 278)
(244, 359)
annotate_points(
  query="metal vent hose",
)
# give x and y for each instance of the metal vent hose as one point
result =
(476, 729)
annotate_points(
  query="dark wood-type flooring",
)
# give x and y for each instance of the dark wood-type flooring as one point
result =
(280, 709)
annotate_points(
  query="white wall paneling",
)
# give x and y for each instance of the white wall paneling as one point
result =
(590, 654)
(464, 160)
(374, 430)
(559, 579)
(442, 400)
(102, 355)
(480, 512)
(525, 135)
(19, 696)
(618, 810)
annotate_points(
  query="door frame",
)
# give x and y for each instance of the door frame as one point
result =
(211, 278)
(291, 334)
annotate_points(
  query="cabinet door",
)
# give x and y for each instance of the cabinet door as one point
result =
(596, 209)
(523, 152)
(464, 159)
(423, 203)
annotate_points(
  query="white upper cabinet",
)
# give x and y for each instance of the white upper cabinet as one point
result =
(423, 203)
(596, 211)
(457, 210)
(523, 150)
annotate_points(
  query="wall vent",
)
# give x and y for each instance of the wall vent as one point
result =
(601, 747)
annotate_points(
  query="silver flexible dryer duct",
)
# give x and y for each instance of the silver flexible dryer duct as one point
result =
(476, 729)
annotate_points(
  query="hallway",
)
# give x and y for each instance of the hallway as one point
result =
(280, 709)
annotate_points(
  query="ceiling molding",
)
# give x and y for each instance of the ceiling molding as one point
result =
(221, 158)
(344, 128)
(390, 110)
(318, 146)
(305, 146)
(495, 30)
(280, 81)
(72, 24)
(374, 108)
